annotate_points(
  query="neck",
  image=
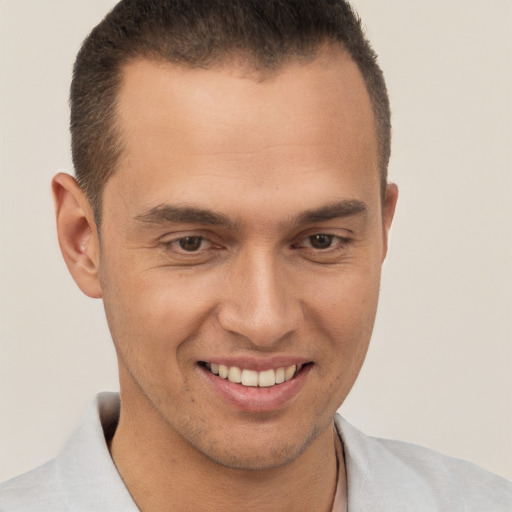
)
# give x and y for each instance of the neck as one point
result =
(164, 472)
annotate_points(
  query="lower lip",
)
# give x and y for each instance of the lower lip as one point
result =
(256, 399)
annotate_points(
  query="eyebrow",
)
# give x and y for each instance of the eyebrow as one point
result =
(166, 213)
(337, 210)
(162, 214)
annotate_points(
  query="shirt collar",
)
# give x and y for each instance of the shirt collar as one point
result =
(87, 474)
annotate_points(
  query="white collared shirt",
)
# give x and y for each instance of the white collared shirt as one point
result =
(382, 475)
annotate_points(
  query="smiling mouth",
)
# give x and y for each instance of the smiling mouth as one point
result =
(252, 378)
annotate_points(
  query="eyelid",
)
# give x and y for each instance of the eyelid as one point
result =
(343, 238)
(337, 253)
(170, 241)
(337, 242)
(186, 233)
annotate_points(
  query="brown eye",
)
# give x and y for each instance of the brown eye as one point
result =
(190, 243)
(321, 241)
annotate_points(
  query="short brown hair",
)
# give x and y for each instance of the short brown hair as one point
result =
(198, 33)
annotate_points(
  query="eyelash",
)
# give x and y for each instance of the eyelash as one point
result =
(342, 242)
(174, 245)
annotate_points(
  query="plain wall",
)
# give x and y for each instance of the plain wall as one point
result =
(439, 370)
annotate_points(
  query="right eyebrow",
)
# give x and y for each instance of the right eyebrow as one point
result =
(165, 213)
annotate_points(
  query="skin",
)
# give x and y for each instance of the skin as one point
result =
(261, 151)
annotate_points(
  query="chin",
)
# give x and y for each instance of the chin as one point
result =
(252, 459)
(256, 448)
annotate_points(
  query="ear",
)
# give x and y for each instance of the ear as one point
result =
(78, 237)
(388, 212)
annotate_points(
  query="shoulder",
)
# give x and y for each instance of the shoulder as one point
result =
(81, 477)
(405, 474)
(33, 491)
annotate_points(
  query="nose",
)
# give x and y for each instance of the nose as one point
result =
(259, 301)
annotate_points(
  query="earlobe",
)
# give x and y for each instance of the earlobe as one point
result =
(78, 237)
(388, 212)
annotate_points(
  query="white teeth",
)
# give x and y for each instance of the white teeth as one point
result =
(252, 378)
(290, 372)
(266, 378)
(235, 375)
(223, 371)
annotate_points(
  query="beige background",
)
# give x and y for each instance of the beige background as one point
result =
(439, 371)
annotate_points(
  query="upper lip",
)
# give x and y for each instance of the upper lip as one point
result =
(258, 363)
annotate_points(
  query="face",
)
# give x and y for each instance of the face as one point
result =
(243, 234)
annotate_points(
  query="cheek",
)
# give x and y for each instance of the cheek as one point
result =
(154, 309)
(344, 311)
(348, 297)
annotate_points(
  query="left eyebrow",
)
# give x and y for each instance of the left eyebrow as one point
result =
(337, 210)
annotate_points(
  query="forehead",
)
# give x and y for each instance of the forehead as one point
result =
(245, 128)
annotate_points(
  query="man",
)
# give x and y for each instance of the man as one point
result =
(232, 210)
